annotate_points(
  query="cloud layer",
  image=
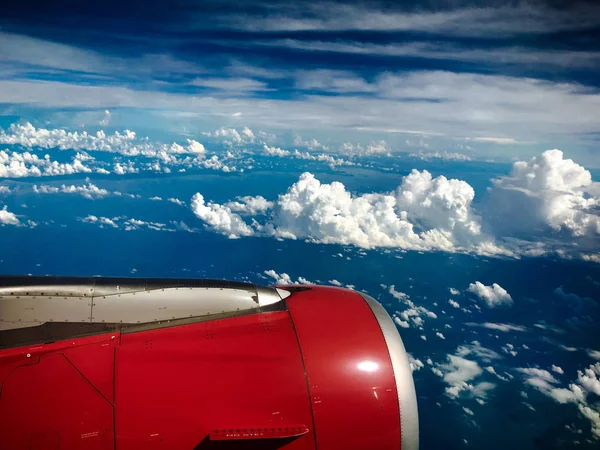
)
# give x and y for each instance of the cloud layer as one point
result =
(427, 213)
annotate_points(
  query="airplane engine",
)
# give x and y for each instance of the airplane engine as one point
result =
(124, 364)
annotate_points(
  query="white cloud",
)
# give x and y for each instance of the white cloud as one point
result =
(311, 144)
(401, 323)
(460, 373)
(548, 193)
(415, 364)
(155, 198)
(335, 282)
(4, 190)
(127, 143)
(594, 353)
(447, 156)
(8, 218)
(250, 205)
(220, 218)
(176, 201)
(275, 151)
(492, 296)
(504, 327)
(502, 19)
(89, 190)
(423, 213)
(468, 411)
(454, 303)
(476, 349)
(440, 335)
(102, 221)
(454, 291)
(557, 369)
(26, 164)
(232, 136)
(284, 278)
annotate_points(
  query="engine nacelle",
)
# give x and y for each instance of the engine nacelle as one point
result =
(191, 364)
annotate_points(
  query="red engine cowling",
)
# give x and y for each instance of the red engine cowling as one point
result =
(324, 369)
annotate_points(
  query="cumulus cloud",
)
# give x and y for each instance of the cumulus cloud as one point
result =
(422, 213)
(26, 164)
(232, 136)
(454, 291)
(492, 296)
(89, 190)
(454, 303)
(460, 374)
(547, 192)
(284, 278)
(587, 383)
(412, 313)
(8, 218)
(102, 221)
(275, 151)
(440, 335)
(127, 224)
(127, 143)
(176, 201)
(557, 369)
(415, 364)
(250, 205)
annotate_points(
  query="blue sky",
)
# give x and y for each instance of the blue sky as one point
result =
(497, 80)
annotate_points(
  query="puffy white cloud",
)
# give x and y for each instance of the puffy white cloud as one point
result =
(557, 369)
(440, 335)
(89, 190)
(220, 218)
(454, 303)
(102, 221)
(335, 282)
(284, 278)
(232, 136)
(459, 373)
(4, 190)
(127, 143)
(26, 164)
(275, 151)
(422, 214)
(250, 205)
(588, 378)
(413, 313)
(401, 323)
(415, 364)
(123, 168)
(547, 192)
(8, 218)
(454, 291)
(492, 296)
